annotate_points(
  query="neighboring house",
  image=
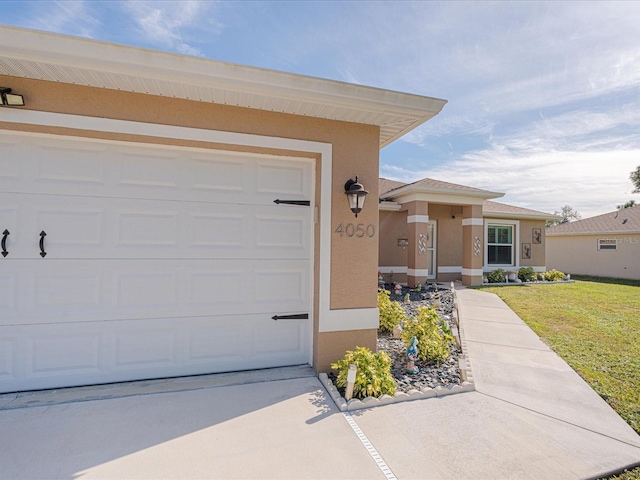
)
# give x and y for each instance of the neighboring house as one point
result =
(143, 239)
(604, 246)
(438, 231)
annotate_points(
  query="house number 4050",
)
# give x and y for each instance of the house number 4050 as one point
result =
(360, 230)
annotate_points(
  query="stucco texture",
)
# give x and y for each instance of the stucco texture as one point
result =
(579, 255)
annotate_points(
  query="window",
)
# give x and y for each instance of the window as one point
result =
(500, 245)
(607, 244)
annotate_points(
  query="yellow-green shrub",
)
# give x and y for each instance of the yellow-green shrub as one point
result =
(373, 377)
(433, 344)
(391, 312)
(553, 276)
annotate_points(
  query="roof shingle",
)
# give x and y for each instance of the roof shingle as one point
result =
(626, 220)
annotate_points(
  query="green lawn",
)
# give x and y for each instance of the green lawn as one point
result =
(594, 325)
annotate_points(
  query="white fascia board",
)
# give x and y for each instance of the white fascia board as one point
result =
(453, 199)
(591, 234)
(389, 206)
(435, 191)
(518, 216)
(74, 54)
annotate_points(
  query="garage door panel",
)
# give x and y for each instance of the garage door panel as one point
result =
(58, 166)
(66, 291)
(66, 352)
(8, 294)
(122, 351)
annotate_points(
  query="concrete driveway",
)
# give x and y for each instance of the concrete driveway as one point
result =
(531, 417)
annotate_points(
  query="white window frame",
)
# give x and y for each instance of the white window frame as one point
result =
(515, 252)
(606, 243)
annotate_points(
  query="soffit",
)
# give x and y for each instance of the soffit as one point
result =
(59, 58)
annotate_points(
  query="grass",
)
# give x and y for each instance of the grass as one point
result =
(594, 325)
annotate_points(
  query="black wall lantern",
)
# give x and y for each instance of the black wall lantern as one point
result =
(355, 194)
(10, 99)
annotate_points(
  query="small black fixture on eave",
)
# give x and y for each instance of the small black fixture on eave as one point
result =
(355, 194)
(10, 99)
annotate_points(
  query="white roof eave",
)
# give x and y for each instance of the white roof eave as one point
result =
(414, 190)
(54, 57)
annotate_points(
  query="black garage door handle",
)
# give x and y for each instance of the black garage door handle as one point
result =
(5, 234)
(42, 252)
(299, 316)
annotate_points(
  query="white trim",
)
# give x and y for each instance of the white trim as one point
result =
(516, 242)
(491, 268)
(418, 272)
(385, 206)
(449, 269)
(418, 219)
(459, 199)
(473, 222)
(472, 272)
(350, 319)
(392, 269)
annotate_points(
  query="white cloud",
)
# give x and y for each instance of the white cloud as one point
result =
(169, 24)
(71, 18)
(591, 182)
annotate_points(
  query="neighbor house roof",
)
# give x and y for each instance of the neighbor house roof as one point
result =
(389, 189)
(60, 58)
(624, 221)
(511, 211)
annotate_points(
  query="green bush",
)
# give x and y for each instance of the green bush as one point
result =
(526, 274)
(553, 276)
(496, 276)
(373, 377)
(391, 312)
(433, 344)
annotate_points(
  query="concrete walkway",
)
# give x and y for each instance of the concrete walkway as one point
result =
(531, 417)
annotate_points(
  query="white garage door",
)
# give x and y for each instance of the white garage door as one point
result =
(157, 261)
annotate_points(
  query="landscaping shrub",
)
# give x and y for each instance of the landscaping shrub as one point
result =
(433, 343)
(391, 312)
(526, 274)
(496, 276)
(553, 276)
(373, 377)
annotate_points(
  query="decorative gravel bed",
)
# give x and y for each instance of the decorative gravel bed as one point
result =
(431, 375)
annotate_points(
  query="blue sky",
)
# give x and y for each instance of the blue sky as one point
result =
(544, 97)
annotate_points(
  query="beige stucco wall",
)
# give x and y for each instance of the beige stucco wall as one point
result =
(355, 150)
(393, 226)
(580, 255)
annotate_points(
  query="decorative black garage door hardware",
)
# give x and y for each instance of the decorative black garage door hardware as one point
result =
(42, 252)
(5, 234)
(299, 316)
(305, 203)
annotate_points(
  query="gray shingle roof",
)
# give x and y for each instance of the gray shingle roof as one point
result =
(502, 208)
(626, 220)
